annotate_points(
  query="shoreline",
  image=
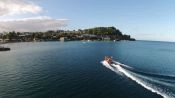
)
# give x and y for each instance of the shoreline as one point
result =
(1, 43)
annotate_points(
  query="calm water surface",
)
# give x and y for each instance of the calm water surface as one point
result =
(74, 70)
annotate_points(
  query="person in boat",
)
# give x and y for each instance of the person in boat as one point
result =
(108, 59)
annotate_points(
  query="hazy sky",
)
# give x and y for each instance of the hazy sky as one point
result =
(142, 19)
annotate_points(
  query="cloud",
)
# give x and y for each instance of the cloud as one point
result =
(42, 23)
(10, 7)
(17, 7)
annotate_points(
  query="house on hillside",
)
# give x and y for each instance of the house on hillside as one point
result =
(63, 39)
(106, 38)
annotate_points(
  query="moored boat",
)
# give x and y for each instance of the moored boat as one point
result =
(4, 48)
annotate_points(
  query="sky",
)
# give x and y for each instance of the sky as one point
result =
(142, 19)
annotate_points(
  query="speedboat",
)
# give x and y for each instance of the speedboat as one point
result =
(111, 61)
(108, 59)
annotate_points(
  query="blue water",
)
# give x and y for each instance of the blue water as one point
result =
(74, 70)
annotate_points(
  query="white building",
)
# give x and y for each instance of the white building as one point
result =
(63, 39)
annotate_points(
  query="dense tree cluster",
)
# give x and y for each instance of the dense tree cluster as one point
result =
(112, 32)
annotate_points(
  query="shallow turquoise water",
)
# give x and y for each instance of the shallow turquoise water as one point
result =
(74, 69)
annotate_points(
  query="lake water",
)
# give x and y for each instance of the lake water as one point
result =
(76, 70)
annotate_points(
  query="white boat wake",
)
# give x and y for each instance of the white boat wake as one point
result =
(139, 79)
